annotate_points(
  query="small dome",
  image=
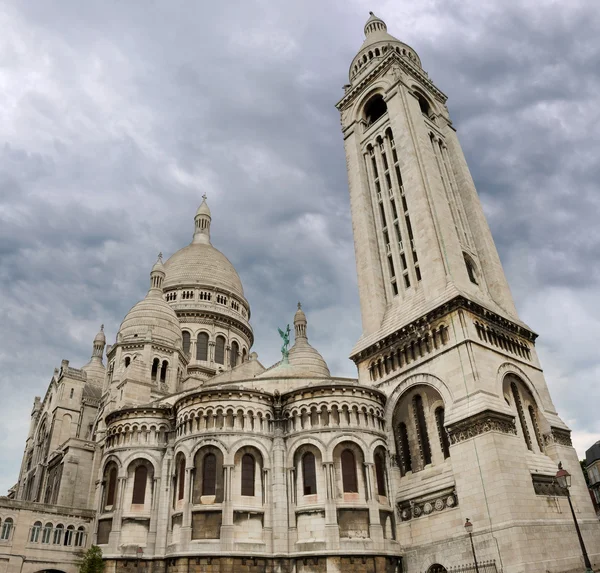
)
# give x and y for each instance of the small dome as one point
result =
(100, 337)
(303, 359)
(152, 315)
(95, 371)
(308, 360)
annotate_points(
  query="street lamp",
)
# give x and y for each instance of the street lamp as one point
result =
(563, 477)
(469, 529)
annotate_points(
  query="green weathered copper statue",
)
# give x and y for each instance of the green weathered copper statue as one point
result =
(286, 342)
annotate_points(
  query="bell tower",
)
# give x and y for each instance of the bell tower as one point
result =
(472, 428)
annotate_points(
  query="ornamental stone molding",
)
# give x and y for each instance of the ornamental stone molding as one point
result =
(547, 485)
(423, 506)
(558, 436)
(481, 423)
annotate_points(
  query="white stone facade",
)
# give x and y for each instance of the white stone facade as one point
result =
(186, 454)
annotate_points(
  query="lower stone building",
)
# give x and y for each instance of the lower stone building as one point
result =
(186, 454)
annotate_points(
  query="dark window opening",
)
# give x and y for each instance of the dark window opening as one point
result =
(422, 429)
(155, 365)
(220, 350)
(470, 269)
(380, 473)
(139, 485)
(439, 419)
(309, 474)
(209, 475)
(181, 479)
(248, 471)
(202, 346)
(112, 486)
(349, 479)
(235, 350)
(186, 342)
(374, 109)
(424, 105)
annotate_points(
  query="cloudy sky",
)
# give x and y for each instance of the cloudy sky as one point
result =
(115, 117)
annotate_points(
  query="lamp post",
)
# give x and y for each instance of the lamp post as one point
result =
(563, 477)
(469, 529)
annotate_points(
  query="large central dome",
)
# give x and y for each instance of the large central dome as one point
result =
(200, 263)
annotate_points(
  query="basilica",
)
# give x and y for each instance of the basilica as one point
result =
(174, 449)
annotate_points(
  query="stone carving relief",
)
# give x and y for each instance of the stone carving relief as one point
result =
(558, 436)
(482, 423)
(439, 501)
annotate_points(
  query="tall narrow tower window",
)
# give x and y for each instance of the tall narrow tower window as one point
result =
(349, 481)
(186, 342)
(444, 443)
(404, 458)
(421, 425)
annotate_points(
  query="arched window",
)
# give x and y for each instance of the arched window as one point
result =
(349, 479)
(186, 342)
(248, 471)
(80, 537)
(163, 371)
(202, 346)
(375, 108)
(444, 443)
(422, 430)
(155, 365)
(235, 349)
(209, 474)
(140, 478)
(244, 355)
(58, 533)
(309, 473)
(404, 449)
(47, 533)
(181, 479)
(35, 532)
(220, 350)
(424, 105)
(127, 361)
(7, 527)
(69, 535)
(111, 487)
(470, 269)
(380, 473)
(522, 420)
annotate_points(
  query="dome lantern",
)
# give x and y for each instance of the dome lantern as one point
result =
(300, 323)
(374, 24)
(202, 223)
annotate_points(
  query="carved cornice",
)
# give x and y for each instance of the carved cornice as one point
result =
(481, 423)
(406, 333)
(547, 485)
(392, 59)
(559, 437)
(426, 505)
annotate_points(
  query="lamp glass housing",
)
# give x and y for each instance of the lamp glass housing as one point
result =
(468, 526)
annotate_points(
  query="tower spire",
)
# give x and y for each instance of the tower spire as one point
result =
(202, 223)
(157, 276)
(300, 323)
(99, 344)
(374, 24)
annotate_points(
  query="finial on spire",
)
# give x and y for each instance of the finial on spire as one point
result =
(204, 196)
(374, 24)
(160, 257)
(300, 323)
(101, 328)
(299, 305)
